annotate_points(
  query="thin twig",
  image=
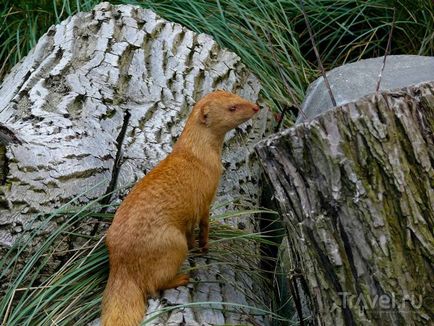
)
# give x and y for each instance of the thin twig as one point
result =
(321, 67)
(283, 113)
(288, 88)
(389, 44)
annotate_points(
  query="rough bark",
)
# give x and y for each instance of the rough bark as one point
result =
(355, 190)
(97, 103)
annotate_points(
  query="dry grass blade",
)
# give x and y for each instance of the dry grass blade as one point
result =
(315, 49)
(389, 45)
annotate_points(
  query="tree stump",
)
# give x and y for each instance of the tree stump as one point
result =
(98, 102)
(355, 190)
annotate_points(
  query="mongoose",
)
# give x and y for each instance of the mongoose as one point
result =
(153, 228)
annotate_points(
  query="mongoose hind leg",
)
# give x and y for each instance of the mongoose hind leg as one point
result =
(191, 242)
(172, 251)
(204, 233)
(179, 280)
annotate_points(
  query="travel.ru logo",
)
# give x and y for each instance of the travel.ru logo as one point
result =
(378, 302)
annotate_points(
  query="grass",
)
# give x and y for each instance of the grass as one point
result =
(70, 292)
(270, 36)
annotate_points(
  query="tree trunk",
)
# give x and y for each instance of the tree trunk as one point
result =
(355, 191)
(98, 102)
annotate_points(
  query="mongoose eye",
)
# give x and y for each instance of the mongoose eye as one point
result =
(232, 108)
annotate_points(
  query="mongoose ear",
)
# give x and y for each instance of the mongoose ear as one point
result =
(204, 116)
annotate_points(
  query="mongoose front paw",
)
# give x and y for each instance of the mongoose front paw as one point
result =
(204, 247)
(191, 244)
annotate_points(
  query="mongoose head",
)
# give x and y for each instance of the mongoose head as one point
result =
(221, 111)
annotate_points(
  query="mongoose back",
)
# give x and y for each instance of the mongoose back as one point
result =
(153, 228)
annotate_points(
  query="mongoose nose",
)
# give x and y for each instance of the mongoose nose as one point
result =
(256, 108)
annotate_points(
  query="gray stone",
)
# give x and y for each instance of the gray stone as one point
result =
(352, 81)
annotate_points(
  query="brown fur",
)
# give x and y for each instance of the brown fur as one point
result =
(153, 227)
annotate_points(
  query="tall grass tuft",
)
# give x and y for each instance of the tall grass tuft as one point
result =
(270, 36)
(71, 294)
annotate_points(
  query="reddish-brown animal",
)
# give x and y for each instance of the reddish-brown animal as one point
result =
(153, 227)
